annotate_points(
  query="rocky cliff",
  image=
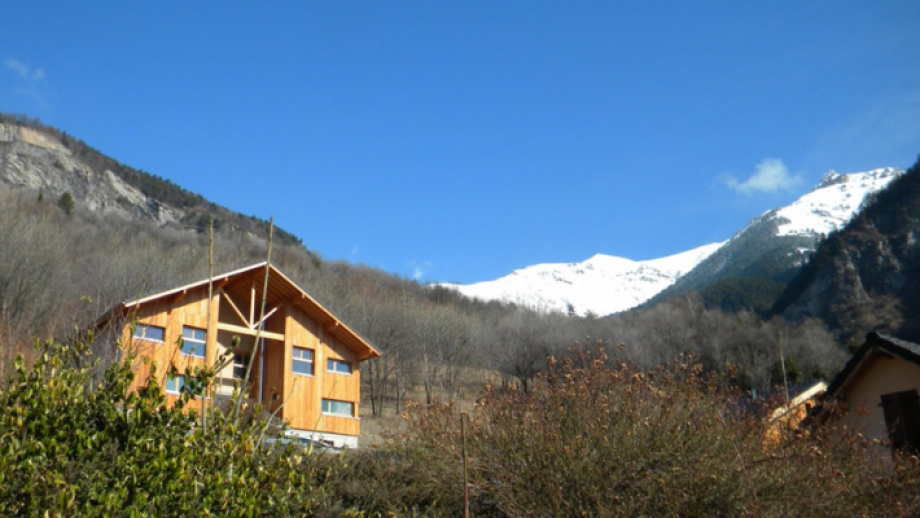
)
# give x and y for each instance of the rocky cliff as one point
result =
(752, 268)
(45, 161)
(867, 275)
(31, 159)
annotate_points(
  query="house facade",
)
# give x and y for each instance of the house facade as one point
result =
(305, 369)
(878, 392)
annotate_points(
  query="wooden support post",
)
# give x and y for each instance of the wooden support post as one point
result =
(466, 485)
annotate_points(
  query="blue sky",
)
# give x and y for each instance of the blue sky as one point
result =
(457, 141)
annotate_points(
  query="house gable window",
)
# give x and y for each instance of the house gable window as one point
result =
(338, 366)
(194, 341)
(338, 408)
(149, 332)
(240, 362)
(175, 384)
(902, 417)
(303, 361)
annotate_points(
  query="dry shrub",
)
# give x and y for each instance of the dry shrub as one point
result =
(585, 440)
(591, 440)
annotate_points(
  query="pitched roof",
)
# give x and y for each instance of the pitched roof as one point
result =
(812, 390)
(280, 287)
(876, 343)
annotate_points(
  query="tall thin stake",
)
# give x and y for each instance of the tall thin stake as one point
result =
(256, 347)
(208, 336)
(466, 484)
(782, 362)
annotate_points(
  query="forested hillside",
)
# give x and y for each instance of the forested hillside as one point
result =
(749, 272)
(62, 265)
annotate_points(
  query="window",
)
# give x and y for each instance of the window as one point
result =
(338, 366)
(193, 341)
(148, 332)
(902, 417)
(240, 362)
(175, 384)
(342, 408)
(303, 361)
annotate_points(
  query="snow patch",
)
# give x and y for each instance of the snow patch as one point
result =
(832, 204)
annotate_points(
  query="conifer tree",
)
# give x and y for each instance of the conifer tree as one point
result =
(66, 203)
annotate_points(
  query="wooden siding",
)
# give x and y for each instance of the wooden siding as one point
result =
(303, 410)
(341, 387)
(171, 315)
(273, 387)
(235, 311)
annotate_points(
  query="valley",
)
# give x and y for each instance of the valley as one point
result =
(78, 239)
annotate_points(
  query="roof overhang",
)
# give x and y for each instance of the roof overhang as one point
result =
(876, 346)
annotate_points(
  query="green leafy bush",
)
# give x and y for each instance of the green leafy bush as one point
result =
(592, 437)
(74, 445)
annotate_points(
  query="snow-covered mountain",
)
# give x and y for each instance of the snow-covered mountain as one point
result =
(831, 204)
(775, 244)
(602, 285)
(769, 246)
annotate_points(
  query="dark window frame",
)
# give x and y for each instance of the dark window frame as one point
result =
(240, 364)
(902, 419)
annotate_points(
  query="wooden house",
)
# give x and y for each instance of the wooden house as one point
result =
(785, 421)
(876, 393)
(306, 369)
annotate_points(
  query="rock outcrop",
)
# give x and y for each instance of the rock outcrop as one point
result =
(30, 159)
(769, 251)
(866, 276)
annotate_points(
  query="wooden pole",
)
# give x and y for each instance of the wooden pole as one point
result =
(782, 363)
(256, 348)
(466, 485)
(208, 337)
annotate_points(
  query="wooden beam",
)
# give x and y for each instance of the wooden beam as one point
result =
(268, 314)
(240, 330)
(236, 284)
(179, 296)
(235, 309)
(331, 328)
(310, 309)
(252, 301)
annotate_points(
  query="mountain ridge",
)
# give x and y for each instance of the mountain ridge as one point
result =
(769, 249)
(45, 160)
(774, 245)
(605, 273)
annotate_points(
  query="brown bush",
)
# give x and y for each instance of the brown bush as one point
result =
(591, 440)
